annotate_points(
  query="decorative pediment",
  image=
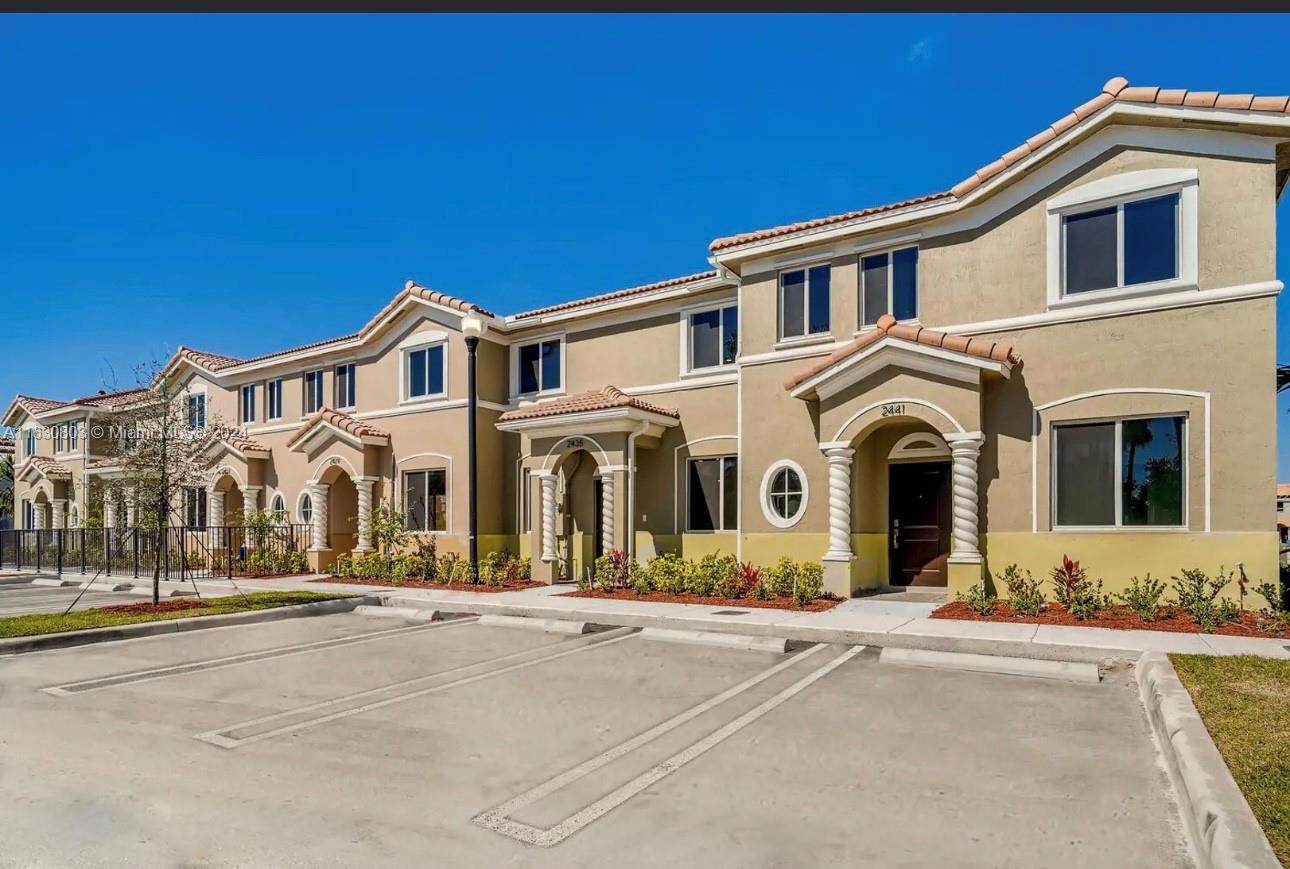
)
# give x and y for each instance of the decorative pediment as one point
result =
(328, 422)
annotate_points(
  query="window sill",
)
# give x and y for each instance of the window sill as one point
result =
(1111, 294)
(711, 371)
(1121, 529)
(423, 400)
(524, 398)
(865, 330)
(806, 341)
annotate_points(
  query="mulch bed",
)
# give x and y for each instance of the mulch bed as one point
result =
(436, 586)
(1171, 620)
(166, 606)
(818, 605)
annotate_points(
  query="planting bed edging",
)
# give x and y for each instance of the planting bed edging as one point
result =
(1221, 829)
(43, 642)
(786, 628)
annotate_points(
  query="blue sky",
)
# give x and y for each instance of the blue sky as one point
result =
(243, 184)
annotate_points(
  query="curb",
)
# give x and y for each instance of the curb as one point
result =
(45, 642)
(1221, 829)
(798, 633)
(1067, 671)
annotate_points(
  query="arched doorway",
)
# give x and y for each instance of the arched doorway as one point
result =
(919, 517)
(227, 506)
(579, 497)
(342, 510)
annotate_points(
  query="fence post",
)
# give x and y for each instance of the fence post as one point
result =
(107, 550)
(82, 550)
(39, 552)
(59, 548)
(135, 547)
(228, 552)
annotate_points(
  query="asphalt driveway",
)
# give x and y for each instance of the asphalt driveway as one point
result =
(352, 741)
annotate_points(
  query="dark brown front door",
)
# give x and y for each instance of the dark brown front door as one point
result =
(920, 522)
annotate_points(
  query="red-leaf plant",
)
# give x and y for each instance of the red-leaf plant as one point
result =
(1068, 578)
(749, 576)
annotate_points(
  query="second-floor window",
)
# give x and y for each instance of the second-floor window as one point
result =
(540, 366)
(58, 438)
(804, 302)
(248, 403)
(28, 442)
(313, 391)
(424, 372)
(889, 285)
(273, 399)
(1121, 245)
(345, 385)
(197, 411)
(714, 337)
(73, 435)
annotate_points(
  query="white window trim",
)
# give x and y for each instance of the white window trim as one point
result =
(304, 391)
(300, 500)
(861, 325)
(807, 335)
(528, 341)
(1119, 527)
(353, 378)
(286, 516)
(687, 338)
(447, 499)
(721, 493)
(1117, 190)
(406, 349)
(269, 417)
(771, 516)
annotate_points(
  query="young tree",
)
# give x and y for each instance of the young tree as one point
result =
(6, 485)
(162, 443)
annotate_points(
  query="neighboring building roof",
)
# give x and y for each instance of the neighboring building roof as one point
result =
(35, 406)
(614, 296)
(102, 463)
(1283, 490)
(45, 465)
(242, 442)
(335, 419)
(608, 398)
(982, 348)
(6, 446)
(1115, 90)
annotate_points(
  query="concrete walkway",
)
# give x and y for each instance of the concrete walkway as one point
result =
(880, 621)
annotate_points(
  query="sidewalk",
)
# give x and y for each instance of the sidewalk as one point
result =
(874, 622)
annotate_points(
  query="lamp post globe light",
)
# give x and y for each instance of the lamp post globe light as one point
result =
(472, 327)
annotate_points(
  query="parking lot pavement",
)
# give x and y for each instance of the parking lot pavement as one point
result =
(345, 741)
(21, 599)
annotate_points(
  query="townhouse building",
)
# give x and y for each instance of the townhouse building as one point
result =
(1069, 352)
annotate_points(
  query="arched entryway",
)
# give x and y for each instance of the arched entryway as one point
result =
(330, 507)
(580, 507)
(226, 502)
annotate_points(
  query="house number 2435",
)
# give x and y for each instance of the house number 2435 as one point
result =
(893, 410)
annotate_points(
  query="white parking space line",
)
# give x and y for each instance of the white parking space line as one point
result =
(223, 740)
(140, 676)
(497, 819)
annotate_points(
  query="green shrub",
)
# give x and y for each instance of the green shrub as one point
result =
(518, 569)
(1025, 594)
(641, 583)
(669, 573)
(428, 551)
(810, 583)
(614, 570)
(978, 598)
(729, 582)
(1143, 597)
(702, 577)
(1197, 595)
(492, 568)
(760, 590)
(1086, 599)
(782, 578)
(1272, 596)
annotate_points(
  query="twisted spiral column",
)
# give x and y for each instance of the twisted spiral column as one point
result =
(57, 506)
(839, 459)
(318, 501)
(109, 510)
(215, 507)
(607, 509)
(965, 449)
(548, 516)
(364, 486)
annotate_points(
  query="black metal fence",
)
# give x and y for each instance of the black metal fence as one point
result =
(182, 553)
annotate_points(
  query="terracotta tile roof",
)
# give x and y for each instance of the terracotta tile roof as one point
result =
(1115, 90)
(615, 295)
(111, 399)
(35, 405)
(1283, 490)
(887, 326)
(102, 463)
(597, 399)
(46, 466)
(342, 421)
(242, 442)
(209, 361)
(6, 446)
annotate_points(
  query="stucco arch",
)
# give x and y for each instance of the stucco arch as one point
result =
(330, 463)
(548, 464)
(862, 422)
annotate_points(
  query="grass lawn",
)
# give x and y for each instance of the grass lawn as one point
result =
(79, 620)
(1245, 703)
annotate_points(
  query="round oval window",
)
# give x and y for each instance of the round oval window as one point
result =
(784, 493)
(306, 509)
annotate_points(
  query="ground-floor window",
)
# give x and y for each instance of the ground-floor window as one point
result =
(278, 509)
(712, 494)
(306, 508)
(28, 514)
(784, 493)
(425, 500)
(195, 507)
(1128, 472)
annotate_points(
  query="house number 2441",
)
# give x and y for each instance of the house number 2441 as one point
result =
(893, 410)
